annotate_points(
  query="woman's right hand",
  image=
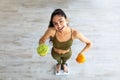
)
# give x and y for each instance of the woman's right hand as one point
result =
(81, 58)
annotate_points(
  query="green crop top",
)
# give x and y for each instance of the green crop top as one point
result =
(62, 45)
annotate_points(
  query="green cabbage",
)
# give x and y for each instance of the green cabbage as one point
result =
(42, 49)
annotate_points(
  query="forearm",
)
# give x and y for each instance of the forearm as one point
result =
(46, 36)
(42, 41)
(86, 48)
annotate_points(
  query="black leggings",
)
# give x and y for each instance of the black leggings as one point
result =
(61, 58)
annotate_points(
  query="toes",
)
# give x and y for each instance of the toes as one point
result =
(65, 68)
(58, 67)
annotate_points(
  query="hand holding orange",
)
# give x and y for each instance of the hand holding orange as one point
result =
(81, 58)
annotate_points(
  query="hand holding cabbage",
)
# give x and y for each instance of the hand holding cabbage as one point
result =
(42, 49)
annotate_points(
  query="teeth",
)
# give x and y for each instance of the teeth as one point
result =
(61, 28)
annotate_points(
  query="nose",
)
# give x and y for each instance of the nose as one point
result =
(59, 25)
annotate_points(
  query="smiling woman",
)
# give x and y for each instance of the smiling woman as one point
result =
(59, 22)
(62, 36)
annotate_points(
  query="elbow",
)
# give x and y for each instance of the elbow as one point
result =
(89, 44)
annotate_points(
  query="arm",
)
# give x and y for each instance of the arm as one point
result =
(81, 37)
(47, 35)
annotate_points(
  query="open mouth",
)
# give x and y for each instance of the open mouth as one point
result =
(61, 28)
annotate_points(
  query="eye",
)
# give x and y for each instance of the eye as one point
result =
(61, 21)
(55, 23)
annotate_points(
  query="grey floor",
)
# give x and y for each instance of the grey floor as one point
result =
(23, 22)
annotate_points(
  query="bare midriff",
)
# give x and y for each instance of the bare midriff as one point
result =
(60, 51)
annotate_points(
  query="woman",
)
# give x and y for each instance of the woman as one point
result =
(62, 36)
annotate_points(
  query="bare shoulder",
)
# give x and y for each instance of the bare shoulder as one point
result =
(78, 35)
(51, 31)
(75, 33)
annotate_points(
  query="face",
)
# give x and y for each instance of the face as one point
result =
(59, 22)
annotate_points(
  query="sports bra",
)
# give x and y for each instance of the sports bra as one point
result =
(62, 45)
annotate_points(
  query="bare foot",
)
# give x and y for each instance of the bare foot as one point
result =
(58, 67)
(65, 68)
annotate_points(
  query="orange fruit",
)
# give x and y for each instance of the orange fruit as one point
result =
(81, 58)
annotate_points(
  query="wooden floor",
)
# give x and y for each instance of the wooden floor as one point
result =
(23, 22)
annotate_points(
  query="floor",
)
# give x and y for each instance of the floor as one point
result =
(23, 22)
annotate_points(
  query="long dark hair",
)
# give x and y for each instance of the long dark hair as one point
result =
(56, 12)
